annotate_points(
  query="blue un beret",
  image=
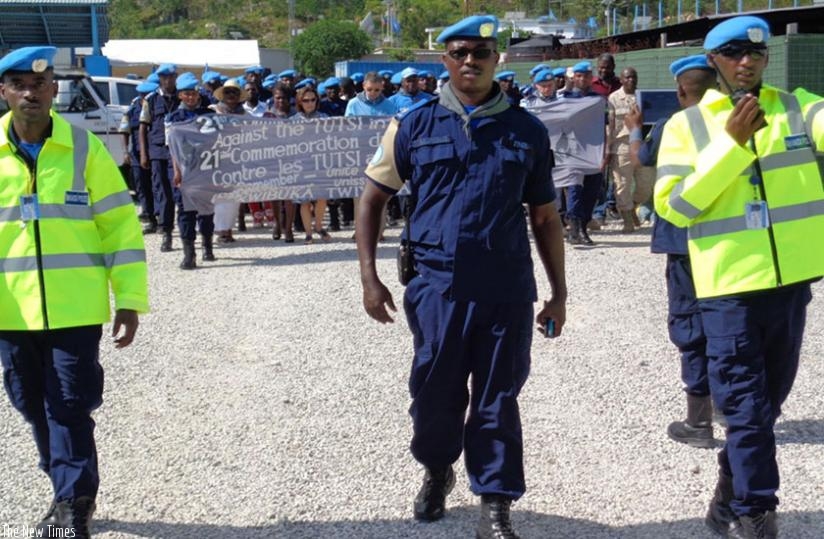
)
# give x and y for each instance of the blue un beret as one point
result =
(505, 75)
(397, 78)
(166, 69)
(287, 73)
(582, 67)
(537, 68)
(444, 75)
(186, 81)
(385, 73)
(331, 82)
(210, 76)
(746, 28)
(153, 77)
(559, 72)
(425, 74)
(305, 82)
(322, 88)
(270, 81)
(146, 87)
(254, 69)
(356, 77)
(34, 59)
(544, 75)
(688, 63)
(474, 27)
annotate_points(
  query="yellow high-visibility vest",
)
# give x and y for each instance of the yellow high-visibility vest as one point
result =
(55, 270)
(706, 180)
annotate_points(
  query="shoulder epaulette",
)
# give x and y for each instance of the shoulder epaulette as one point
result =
(422, 103)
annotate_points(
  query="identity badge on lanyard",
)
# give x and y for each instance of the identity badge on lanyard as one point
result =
(756, 214)
(29, 208)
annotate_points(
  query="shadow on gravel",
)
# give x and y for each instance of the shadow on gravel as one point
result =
(601, 243)
(298, 257)
(459, 523)
(801, 431)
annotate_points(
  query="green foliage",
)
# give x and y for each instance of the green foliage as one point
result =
(325, 42)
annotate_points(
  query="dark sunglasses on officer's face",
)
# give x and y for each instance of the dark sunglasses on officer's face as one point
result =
(481, 53)
(736, 52)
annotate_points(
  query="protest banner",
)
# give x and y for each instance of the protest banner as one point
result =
(251, 159)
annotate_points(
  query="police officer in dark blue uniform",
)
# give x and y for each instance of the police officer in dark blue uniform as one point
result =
(190, 107)
(154, 152)
(471, 161)
(581, 199)
(686, 330)
(141, 177)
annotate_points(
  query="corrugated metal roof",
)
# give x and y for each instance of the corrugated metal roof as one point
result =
(58, 23)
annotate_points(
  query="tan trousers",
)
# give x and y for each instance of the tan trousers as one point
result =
(633, 186)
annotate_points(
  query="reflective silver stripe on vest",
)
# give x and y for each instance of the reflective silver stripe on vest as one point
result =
(780, 215)
(797, 211)
(115, 200)
(127, 256)
(793, 111)
(674, 170)
(50, 211)
(698, 127)
(792, 158)
(714, 228)
(80, 139)
(680, 205)
(73, 260)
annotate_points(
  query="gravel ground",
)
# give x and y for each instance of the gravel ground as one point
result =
(260, 401)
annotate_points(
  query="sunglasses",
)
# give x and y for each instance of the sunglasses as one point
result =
(735, 52)
(481, 53)
(308, 100)
(231, 91)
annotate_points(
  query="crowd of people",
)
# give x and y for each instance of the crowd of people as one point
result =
(622, 190)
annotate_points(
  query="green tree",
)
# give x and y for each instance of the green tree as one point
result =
(325, 42)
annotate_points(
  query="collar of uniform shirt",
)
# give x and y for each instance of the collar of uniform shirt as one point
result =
(494, 106)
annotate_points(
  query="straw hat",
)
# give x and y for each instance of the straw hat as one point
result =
(231, 83)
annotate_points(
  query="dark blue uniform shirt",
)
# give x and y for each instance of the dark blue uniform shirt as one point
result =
(468, 227)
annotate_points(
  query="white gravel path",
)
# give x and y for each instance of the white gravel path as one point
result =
(260, 401)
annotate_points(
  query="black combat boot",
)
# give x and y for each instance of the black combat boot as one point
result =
(585, 239)
(189, 257)
(696, 429)
(208, 253)
(758, 526)
(720, 515)
(574, 234)
(430, 503)
(166, 244)
(68, 518)
(151, 225)
(495, 523)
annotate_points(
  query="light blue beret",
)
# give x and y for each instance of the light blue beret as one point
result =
(386, 73)
(166, 69)
(240, 80)
(537, 68)
(688, 63)
(153, 77)
(223, 78)
(146, 87)
(543, 76)
(444, 75)
(356, 77)
(270, 81)
(34, 59)
(425, 74)
(210, 76)
(474, 27)
(287, 73)
(186, 81)
(409, 72)
(582, 67)
(559, 72)
(331, 82)
(744, 28)
(396, 78)
(505, 75)
(254, 69)
(322, 88)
